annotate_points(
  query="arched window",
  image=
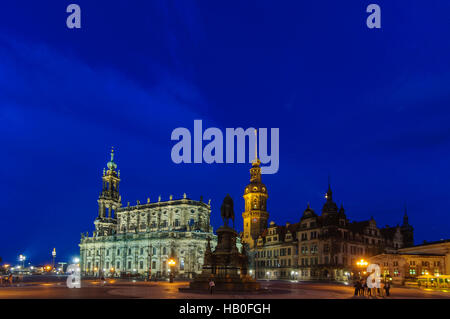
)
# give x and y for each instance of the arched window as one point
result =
(181, 263)
(255, 203)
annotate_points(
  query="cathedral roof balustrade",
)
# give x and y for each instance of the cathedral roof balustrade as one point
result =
(175, 202)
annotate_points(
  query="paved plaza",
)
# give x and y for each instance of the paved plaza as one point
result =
(93, 289)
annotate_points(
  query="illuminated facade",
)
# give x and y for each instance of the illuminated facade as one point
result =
(403, 267)
(324, 247)
(141, 239)
(255, 216)
(441, 247)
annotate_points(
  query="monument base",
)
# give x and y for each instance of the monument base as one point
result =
(226, 266)
(224, 283)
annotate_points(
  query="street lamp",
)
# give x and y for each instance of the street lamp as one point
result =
(171, 262)
(362, 264)
(22, 259)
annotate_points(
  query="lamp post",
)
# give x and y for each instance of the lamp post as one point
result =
(22, 260)
(171, 262)
(53, 257)
(362, 264)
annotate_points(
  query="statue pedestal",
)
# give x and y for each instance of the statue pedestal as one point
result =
(226, 266)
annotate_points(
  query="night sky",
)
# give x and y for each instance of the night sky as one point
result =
(369, 108)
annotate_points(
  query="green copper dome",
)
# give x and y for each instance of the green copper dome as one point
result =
(111, 165)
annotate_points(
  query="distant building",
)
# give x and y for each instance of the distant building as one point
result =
(441, 247)
(409, 263)
(324, 247)
(140, 239)
(407, 266)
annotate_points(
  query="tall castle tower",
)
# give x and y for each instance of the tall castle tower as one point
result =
(255, 195)
(109, 200)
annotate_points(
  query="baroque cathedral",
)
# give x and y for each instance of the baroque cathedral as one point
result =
(140, 239)
(316, 247)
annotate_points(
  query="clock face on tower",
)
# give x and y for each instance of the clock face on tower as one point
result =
(254, 220)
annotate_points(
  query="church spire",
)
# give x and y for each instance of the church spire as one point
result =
(405, 217)
(256, 161)
(255, 170)
(329, 207)
(329, 193)
(407, 231)
(111, 165)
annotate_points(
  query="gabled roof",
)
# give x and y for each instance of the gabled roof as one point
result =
(281, 231)
(308, 213)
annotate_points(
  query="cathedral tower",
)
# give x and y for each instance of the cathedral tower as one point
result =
(255, 195)
(109, 199)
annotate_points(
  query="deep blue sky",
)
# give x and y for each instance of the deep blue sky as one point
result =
(368, 107)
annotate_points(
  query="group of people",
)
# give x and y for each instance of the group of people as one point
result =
(361, 289)
(6, 280)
